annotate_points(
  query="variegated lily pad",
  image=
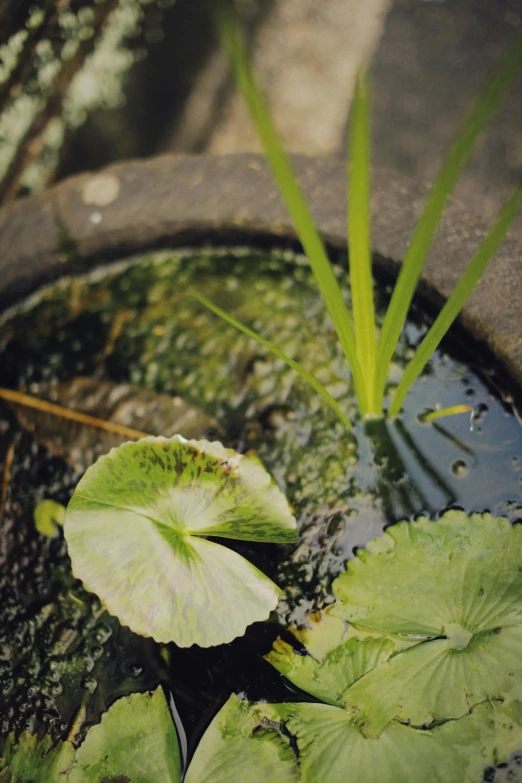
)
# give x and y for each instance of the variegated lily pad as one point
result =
(455, 588)
(136, 529)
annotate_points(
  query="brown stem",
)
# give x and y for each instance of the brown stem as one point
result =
(18, 398)
(34, 138)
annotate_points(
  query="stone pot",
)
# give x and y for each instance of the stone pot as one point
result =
(172, 201)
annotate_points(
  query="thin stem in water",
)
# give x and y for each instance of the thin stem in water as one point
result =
(314, 383)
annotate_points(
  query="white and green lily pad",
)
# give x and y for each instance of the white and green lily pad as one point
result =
(238, 746)
(136, 529)
(455, 588)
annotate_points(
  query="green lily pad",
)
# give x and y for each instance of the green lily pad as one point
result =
(33, 760)
(136, 528)
(136, 741)
(238, 746)
(48, 516)
(332, 748)
(337, 657)
(487, 737)
(454, 587)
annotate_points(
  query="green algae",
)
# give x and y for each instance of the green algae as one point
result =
(132, 322)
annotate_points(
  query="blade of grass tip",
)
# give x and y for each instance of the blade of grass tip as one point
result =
(318, 387)
(441, 413)
(359, 250)
(490, 97)
(457, 299)
(236, 49)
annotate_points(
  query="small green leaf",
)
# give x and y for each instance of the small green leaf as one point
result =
(47, 516)
(238, 746)
(326, 673)
(136, 741)
(135, 530)
(31, 760)
(454, 587)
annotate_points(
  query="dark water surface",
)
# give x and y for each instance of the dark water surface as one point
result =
(133, 322)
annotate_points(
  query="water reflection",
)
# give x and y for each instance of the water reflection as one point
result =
(345, 486)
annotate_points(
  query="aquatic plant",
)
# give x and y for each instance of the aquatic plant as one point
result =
(137, 740)
(48, 517)
(137, 531)
(369, 357)
(425, 682)
(34, 760)
(454, 588)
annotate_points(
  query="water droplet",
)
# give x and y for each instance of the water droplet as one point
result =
(460, 469)
(101, 633)
(90, 684)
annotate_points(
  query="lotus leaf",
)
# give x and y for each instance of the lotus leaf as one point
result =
(453, 586)
(136, 529)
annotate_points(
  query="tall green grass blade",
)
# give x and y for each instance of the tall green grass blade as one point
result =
(359, 248)
(458, 155)
(461, 292)
(236, 50)
(318, 387)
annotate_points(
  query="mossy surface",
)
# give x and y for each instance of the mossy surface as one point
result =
(134, 322)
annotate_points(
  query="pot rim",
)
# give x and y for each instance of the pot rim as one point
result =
(184, 200)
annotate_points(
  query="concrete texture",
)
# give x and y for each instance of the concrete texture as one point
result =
(307, 55)
(180, 200)
(429, 65)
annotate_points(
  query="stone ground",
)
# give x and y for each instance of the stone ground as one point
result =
(430, 62)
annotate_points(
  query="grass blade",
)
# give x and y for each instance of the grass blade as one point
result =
(236, 50)
(441, 413)
(458, 155)
(454, 304)
(359, 249)
(318, 387)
